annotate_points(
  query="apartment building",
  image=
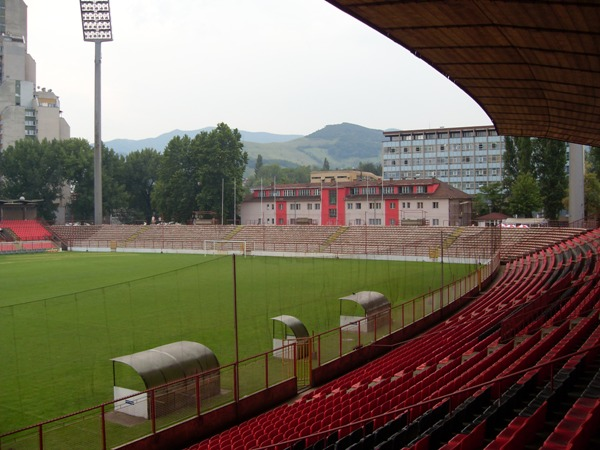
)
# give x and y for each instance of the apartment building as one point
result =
(26, 110)
(467, 158)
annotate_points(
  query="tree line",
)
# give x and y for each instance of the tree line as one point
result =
(204, 172)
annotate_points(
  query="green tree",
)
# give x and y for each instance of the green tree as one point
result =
(79, 175)
(79, 172)
(141, 173)
(115, 198)
(491, 198)
(325, 164)
(282, 175)
(175, 191)
(592, 195)
(594, 160)
(33, 170)
(221, 170)
(516, 159)
(202, 173)
(258, 165)
(550, 159)
(525, 196)
(370, 167)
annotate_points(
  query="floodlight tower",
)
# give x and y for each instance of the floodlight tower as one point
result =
(97, 28)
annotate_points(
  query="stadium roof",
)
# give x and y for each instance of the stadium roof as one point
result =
(533, 66)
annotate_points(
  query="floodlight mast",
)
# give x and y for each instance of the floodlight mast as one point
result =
(97, 28)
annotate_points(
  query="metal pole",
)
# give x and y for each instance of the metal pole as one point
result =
(97, 137)
(367, 205)
(222, 199)
(234, 201)
(337, 206)
(382, 202)
(235, 328)
(442, 269)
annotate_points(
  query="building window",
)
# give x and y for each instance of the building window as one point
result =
(405, 205)
(349, 205)
(435, 221)
(358, 206)
(309, 206)
(419, 205)
(358, 221)
(392, 221)
(406, 190)
(317, 206)
(370, 191)
(392, 205)
(280, 206)
(374, 221)
(332, 212)
(421, 189)
(375, 205)
(436, 205)
(280, 221)
(333, 196)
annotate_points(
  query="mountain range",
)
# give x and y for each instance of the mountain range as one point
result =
(344, 145)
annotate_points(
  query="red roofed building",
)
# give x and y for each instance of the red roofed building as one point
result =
(388, 203)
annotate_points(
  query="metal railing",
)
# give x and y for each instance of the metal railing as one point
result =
(123, 420)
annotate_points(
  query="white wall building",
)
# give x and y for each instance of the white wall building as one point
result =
(467, 158)
(393, 203)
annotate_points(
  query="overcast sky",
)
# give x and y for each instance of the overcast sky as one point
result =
(281, 66)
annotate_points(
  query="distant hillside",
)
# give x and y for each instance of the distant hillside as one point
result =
(344, 145)
(125, 146)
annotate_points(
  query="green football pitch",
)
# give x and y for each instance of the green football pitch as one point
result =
(63, 316)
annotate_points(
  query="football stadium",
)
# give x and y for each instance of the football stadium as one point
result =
(249, 336)
(313, 337)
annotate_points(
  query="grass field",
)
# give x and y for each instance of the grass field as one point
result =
(64, 315)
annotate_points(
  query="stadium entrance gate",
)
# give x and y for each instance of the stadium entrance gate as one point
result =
(303, 362)
(292, 341)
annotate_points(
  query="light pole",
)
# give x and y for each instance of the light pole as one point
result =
(97, 28)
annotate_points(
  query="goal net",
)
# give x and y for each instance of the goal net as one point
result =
(228, 247)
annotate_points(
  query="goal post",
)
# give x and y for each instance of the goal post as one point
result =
(224, 246)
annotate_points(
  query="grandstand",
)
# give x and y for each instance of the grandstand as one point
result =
(339, 240)
(25, 236)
